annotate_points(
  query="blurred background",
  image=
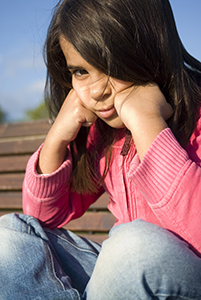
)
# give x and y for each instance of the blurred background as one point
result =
(23, 26)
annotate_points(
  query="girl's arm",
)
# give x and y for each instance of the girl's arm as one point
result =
(71, 117)
(48, 197)
(46, 192)
(169, 178)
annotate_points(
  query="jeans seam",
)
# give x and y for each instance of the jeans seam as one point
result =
(59, 283)
(51, 269)
(74, 245)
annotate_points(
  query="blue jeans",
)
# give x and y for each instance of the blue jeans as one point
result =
(138, 261)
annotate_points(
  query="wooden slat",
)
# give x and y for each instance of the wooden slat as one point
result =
(89, 222)
(100, 222)
(92, 221)
(101, 203)
(11, 181)
(24, 128)
(16, 197)
(12, 163)
(5, 212)
(98, 238)
(3, 128)
(20, 146)
(11, 200)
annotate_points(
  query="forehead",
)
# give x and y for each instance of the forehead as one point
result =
(72, 56)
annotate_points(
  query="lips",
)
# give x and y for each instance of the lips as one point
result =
(106, 113)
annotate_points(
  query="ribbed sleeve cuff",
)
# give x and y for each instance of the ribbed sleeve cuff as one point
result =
(160, 167)
(45, 187)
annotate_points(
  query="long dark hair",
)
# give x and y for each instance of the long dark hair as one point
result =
(132, 40)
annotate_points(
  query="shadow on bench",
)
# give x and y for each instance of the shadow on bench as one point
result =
(17, 143)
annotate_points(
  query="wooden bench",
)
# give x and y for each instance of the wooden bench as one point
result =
(17, 142)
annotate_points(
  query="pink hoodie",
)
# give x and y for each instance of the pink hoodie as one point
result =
(164, 188)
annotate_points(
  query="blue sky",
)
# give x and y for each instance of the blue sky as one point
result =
(23, 25)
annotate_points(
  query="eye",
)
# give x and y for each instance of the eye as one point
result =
(79, 73)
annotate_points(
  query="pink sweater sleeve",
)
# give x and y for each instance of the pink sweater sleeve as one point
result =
(48, 197)
(170, 181)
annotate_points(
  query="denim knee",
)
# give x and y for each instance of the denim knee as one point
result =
(145, 243)
(138, 243)
(142, 260)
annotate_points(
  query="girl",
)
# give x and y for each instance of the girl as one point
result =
(126, 99)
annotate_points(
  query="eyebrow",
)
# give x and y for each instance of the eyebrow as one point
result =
(74, 67)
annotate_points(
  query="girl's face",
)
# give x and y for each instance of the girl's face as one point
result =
(95, 91)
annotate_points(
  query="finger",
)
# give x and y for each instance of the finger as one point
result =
(87, 124)
(89, 118)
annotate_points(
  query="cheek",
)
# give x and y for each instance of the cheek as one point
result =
(83, 93)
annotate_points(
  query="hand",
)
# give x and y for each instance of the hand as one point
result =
(142, 102)
(144, 111)
(71, 117)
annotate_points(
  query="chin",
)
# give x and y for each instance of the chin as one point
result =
(115, 123)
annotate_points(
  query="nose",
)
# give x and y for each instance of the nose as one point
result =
(101, 89)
